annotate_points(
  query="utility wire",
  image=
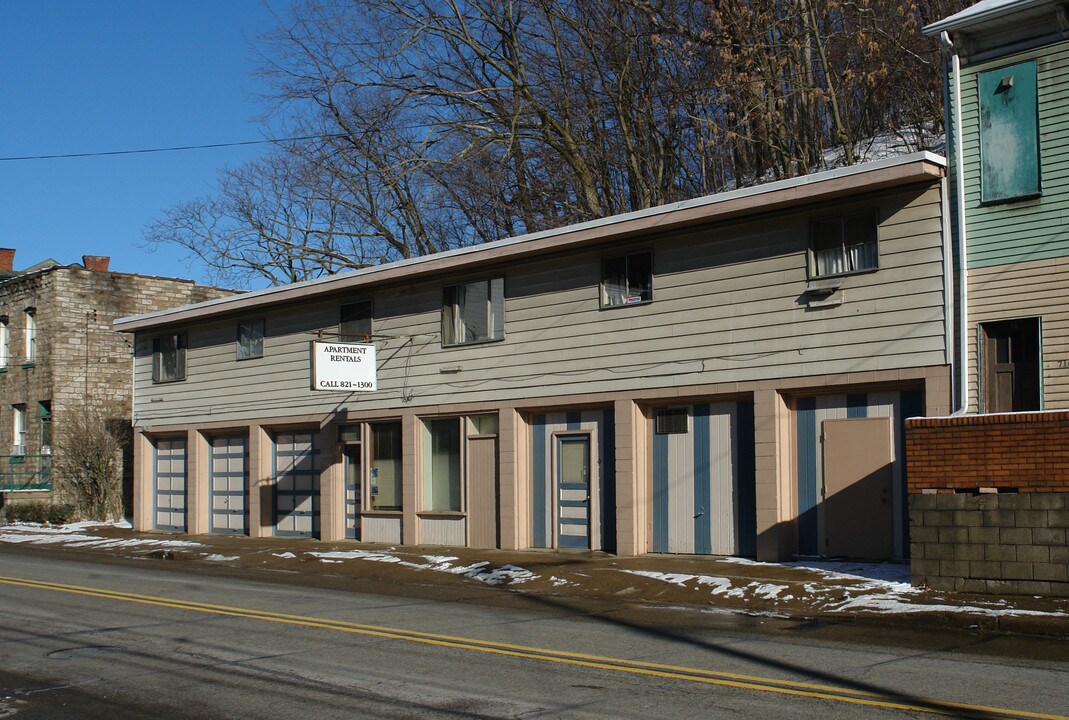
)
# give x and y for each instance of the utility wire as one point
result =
(180, 148)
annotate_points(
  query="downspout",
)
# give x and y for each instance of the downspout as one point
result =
(953, 125)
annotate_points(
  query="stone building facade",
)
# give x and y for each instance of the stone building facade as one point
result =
(60, 360)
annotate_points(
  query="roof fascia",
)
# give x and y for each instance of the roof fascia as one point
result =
(962, 21)
(841, 182)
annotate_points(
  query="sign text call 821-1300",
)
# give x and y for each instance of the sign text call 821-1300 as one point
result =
(345, 367)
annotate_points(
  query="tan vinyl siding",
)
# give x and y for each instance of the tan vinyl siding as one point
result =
(1029, 229)
(1023, 290)
(728, 307)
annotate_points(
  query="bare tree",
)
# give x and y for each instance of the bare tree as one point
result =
(443, 123)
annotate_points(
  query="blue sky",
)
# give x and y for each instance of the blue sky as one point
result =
(117, 75)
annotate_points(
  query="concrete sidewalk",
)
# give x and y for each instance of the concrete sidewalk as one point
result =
(821, 590)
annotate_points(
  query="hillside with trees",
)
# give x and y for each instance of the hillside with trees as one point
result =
(424, 125)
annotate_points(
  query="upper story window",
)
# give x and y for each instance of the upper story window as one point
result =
(250, 339)
(1009, 133)
(627, 280)
(473, 312)
(31, 334)
(4, 353)
(169, 358)
(355, 322)
(843, 245)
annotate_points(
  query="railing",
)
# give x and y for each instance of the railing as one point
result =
(25, 472)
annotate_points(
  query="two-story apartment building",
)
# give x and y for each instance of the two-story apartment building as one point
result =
(60, 360)
(728, 375)
(990, 486)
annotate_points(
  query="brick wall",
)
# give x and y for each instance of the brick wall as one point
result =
(1020, 452)
(989, 502)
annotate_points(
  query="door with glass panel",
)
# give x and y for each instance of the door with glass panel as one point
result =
(229, 480)
(170, 481)
(573, 491)
(296, 484)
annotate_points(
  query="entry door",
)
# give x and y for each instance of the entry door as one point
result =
(482, 491)
(353, 474)
(573, 491)
(296, 484)
(1011, 365)
(170, 472)
(857, 488)
(229, 478)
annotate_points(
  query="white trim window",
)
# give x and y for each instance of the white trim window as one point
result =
(473, 312)
(4, 349)
(31, 334)
(844, 245)
(19, 433)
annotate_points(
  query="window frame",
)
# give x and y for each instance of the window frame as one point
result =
(5, 339)
(453, 312)
(372, 458)
(19, 430)
(843, 218)
(604, 299)
(240, 342)
(181, 344)
(665, 419)
(44, 419)
(30, 337)
(356, 337)
(430, 484)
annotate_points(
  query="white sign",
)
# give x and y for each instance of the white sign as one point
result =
(343, 367)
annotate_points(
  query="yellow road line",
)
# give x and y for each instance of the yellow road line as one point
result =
(711, 677)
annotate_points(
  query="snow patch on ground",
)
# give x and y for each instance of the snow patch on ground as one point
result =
(71, 536)
(481, 571)
(285, 555)
(843, 587)
(216, 557)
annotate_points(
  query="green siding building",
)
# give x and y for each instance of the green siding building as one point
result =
(1008, 133)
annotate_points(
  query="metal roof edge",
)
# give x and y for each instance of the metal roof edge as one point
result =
(342, 281)
(976, 14)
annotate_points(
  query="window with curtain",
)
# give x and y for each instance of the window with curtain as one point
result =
(250, 339)
(169, 358)
(843, 245)
(627, 280)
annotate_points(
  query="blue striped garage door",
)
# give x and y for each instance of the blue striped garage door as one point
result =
(704, 500)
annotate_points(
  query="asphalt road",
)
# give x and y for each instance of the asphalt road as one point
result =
(89, 640)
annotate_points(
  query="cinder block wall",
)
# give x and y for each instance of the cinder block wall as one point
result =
(989, 503)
